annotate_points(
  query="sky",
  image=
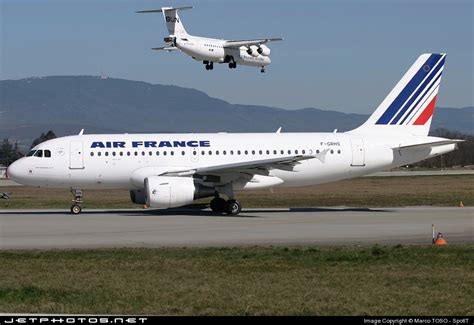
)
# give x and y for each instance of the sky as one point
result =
(337, 54)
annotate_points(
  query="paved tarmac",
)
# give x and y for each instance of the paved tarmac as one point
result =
(40, 229)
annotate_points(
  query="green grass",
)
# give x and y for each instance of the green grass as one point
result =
(445, 190)
(378, 280)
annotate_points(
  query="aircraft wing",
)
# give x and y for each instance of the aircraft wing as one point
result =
(166, 48)
(239, 43)
(285, 163)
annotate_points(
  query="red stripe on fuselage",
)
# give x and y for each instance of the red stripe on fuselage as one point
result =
(427, 113)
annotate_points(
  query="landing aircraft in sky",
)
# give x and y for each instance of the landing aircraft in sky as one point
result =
(172, 170)
(252, 53)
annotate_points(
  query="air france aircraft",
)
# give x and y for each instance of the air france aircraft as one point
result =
(252, 53)
(172, 170)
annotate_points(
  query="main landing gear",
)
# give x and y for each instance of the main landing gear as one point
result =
(231, 207)
(232, 65)
(76, 202)
(209, 65)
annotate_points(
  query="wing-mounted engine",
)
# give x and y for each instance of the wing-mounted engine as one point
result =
(263, 50)
(253, 51)
(171, 192)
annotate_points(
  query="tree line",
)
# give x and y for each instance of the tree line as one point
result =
(10, 151)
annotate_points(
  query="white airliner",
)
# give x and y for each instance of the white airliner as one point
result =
(172, 170)
(209, 50)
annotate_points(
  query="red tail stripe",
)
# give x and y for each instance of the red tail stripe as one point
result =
(427, 113)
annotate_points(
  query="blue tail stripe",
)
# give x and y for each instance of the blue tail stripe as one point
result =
(408, 90)
(428, 90)
(415, 96)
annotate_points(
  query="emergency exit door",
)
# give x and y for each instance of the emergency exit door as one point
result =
(76, 155)
(358, 152)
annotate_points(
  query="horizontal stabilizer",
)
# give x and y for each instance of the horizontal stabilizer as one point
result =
(163, 9)
(429, 144)
(166, 48)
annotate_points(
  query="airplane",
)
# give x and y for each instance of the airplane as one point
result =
(252, 53)
(173, 170)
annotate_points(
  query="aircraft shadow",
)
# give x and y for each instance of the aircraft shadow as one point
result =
(197, 210)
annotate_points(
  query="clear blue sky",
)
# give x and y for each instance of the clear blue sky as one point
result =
(339, 55)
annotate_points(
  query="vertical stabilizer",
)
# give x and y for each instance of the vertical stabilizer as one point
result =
(172, 20)
(409, 107)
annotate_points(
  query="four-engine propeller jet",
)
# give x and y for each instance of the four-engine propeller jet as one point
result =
(252, 53)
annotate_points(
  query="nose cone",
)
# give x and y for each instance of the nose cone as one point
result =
(16, 172)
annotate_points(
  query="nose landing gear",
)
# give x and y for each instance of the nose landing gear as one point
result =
(76, 202)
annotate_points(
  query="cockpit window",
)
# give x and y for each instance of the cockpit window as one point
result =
(31, 153)
(47, 154)
(39, 153)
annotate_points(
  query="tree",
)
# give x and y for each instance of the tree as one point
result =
(43, 137)
(9, 152)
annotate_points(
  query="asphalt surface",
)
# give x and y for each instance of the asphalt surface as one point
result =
(41, 229)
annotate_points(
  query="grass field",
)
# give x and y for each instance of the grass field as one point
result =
(397, 280)
(445, 190)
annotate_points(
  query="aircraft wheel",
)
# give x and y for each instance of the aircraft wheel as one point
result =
(233, 207)
(76, 209)
(218, 205)
(207, 67)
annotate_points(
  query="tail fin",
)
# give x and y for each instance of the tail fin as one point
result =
(409, 107)
(173, 22)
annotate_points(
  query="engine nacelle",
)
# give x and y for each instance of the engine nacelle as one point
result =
(171, 192)
(138, 196)
(253, 51)
(263, 50)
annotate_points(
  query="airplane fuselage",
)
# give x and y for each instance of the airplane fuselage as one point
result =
(213, 50)
(123, 161)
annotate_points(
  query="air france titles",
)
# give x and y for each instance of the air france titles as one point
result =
(152, 144)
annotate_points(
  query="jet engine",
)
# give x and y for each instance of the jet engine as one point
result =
(138, 196)
(253, 51)
(170, 192)
(263, 50)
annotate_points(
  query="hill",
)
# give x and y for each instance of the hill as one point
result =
(67, 104)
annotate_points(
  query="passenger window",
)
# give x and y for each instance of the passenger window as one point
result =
(150, 153)
(253, 152)
(143, 153)
(106, 153)
(172, 153)
(128, 153)
(210, 152)
(157, 153)
(274, 152)
(217, 152)
(121, 153)
(183, 153)
(99, 154)
(113, 153)
(232, 152)
(296, 152)
(282, 152)
(246, 152)
(92, 154)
